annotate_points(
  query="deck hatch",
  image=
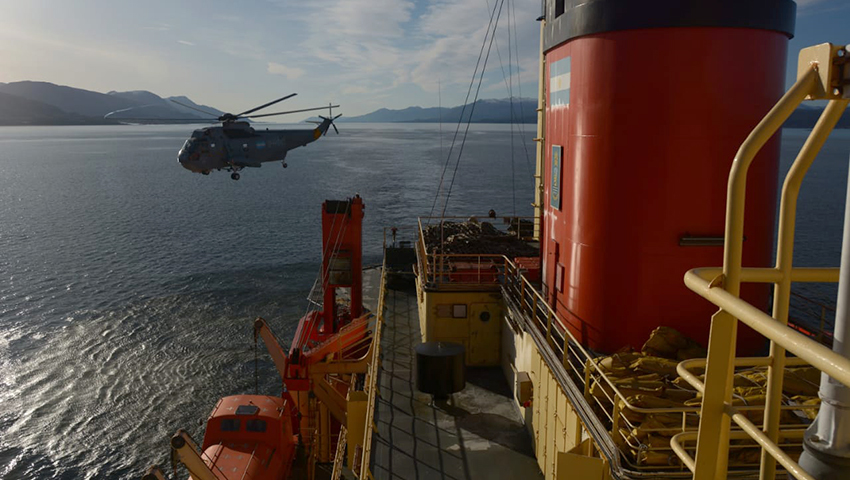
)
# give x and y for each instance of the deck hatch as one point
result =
(247, 410)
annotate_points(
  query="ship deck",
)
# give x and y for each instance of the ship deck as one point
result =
(478, 433)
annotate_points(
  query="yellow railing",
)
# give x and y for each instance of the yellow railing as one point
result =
(457, 269)
(371, 384)
(810, 316)
(610, 412)
(816, 79)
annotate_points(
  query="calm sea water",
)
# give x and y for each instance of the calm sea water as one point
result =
(128, 285)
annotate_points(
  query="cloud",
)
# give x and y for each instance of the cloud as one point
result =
(184, 42)
(456, 31)
(354, 89)
(392, 43)
(807, 8)
(364, 19)
(289, 72)
(363, 39)
(161, 27)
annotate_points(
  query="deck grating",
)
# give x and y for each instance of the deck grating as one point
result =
(477, 434)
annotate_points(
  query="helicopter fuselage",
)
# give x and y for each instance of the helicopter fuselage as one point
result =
(236, 145)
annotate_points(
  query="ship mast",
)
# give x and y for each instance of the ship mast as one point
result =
(541, 135)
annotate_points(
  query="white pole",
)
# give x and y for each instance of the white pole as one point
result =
(826, 446)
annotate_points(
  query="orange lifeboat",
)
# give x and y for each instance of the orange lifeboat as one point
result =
(250, 436)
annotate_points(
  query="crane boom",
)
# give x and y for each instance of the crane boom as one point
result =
(186, 452)
(261, 328)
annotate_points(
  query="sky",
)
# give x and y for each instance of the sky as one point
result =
(362, 54)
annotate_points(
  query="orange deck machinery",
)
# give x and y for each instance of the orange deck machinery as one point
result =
(256, 436)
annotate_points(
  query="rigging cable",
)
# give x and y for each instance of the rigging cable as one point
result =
(511, 100)
(521, 123)
(326, 271)
(462, 111)
(320, 276)
(469, 121)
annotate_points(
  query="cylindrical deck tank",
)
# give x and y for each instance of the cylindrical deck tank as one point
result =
(647, 104)
(440, 368)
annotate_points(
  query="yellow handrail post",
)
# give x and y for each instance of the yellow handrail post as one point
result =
(522, 294)
(713, 436)
(784, 263)
(615, 418)
(566, 360)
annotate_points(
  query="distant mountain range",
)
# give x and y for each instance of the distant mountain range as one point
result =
(485, 111)
(525, 111)
(16, 110)
(43, 103)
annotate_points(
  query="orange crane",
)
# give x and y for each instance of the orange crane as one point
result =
(256, 436)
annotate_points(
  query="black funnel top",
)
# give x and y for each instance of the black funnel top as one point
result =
(568, 19)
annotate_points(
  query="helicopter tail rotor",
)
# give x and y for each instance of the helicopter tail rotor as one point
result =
(330, 123)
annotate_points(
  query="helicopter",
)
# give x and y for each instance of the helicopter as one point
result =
(236, 144)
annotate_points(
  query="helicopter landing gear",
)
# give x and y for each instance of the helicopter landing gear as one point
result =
(234, 176)
(284, 164)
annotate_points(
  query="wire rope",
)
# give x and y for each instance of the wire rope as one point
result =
(513, 117)
(521, 123)
(462, 111)
(511, 103)
(469, 121)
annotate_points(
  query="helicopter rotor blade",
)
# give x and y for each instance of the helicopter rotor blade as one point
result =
(128, 109)
(266, 105)
(335, 129)
(154, 120)
(284, 113)
(193, 108)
